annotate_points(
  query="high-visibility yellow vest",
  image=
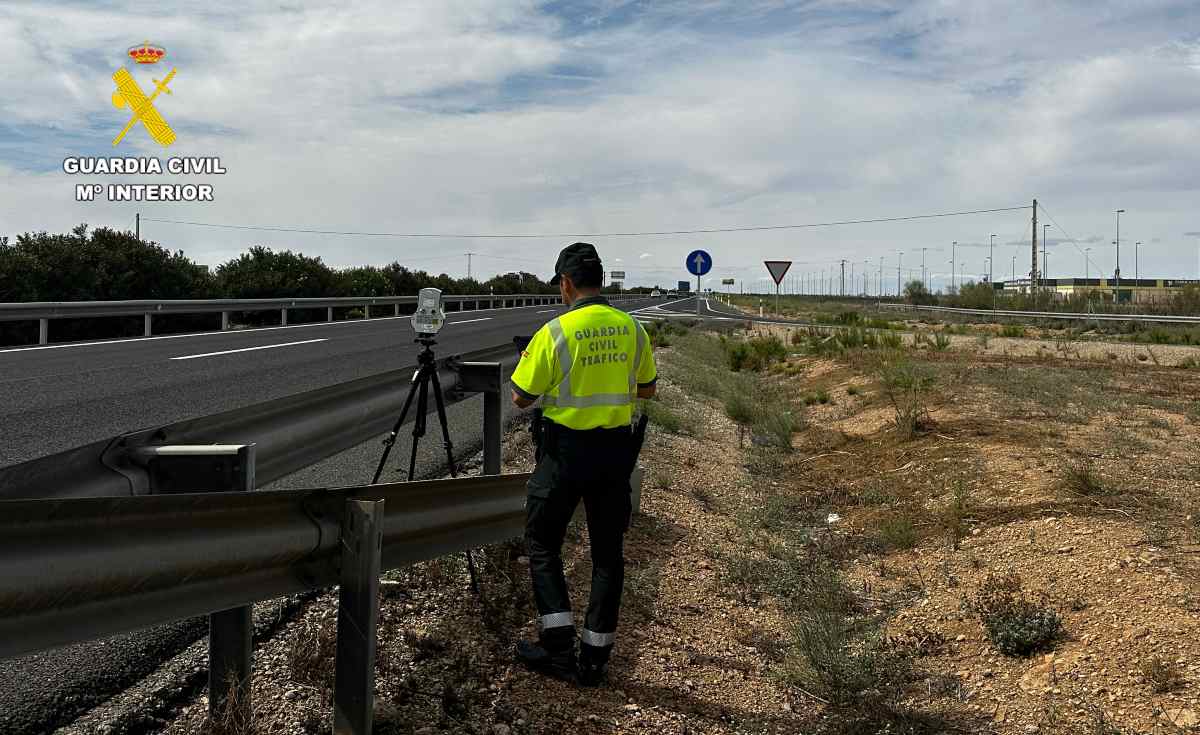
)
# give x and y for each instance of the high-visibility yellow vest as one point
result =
(586, 366)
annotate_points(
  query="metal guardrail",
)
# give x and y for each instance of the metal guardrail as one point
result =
(1156, 318)
(44, 311)
(290, 433)
(77, 569)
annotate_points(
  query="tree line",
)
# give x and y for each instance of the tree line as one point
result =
(103, 264)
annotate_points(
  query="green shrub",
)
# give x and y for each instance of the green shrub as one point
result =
(898, 532)
(1017, 624)
(1012, 330)
(906, 385)
(740, 408)
(775, 427)
(662, 416)
(818, 396)
(832, 658)
(941, 342)
(891, 341)
(1081, 479)
(756, 353)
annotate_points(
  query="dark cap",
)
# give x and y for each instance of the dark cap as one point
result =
(581, 262)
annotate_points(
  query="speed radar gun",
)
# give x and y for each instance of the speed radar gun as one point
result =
(427, 321)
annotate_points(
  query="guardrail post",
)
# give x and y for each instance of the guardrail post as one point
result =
(328, 313)
(146, 324)
(366, 311)
(230, 632)
(230, 649)
(358, 613)
(43, 331)
(224, 320)
(396, 309)
(487, 378)
(283, 316)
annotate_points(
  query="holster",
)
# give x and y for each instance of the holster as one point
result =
(537, 429)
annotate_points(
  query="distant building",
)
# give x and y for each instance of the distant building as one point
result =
(1136, 291)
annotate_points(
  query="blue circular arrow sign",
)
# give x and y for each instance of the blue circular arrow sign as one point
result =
(699, 262)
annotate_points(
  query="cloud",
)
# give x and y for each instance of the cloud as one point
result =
(511, 116)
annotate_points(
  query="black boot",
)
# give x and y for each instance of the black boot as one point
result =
(558, 662)
(593, 664)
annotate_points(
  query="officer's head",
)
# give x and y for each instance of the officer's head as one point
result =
(578, 272)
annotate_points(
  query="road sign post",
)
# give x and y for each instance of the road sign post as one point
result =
(777, 269)
(698, 263)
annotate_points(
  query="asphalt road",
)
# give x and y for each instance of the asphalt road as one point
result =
(56, 397)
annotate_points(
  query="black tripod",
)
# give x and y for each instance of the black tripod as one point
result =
(426, 373)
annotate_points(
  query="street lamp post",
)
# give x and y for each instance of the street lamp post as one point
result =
(991, 274)
(953, 247)
(1045, 254)
(1137, 274)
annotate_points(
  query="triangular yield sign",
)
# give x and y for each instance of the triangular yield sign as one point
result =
(778, 268)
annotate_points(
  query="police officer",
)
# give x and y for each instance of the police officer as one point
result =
(587, 368)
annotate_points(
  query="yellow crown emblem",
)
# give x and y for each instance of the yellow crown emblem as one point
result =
(147, 53)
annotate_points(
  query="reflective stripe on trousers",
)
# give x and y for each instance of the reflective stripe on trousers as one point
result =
(556, 620)
(599, 640)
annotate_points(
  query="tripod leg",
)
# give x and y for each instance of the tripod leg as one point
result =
(419, 420)
(441, 412)
(391, 440)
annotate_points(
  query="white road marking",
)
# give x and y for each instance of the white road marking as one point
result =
(344, 322)
(545, 311)
(468, 321)
(248, 349)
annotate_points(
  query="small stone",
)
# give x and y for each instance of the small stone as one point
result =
(960, 638)
(501, 729)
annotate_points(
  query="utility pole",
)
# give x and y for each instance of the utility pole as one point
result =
(879, 284)
(843, 277)
(137, 226)
(851, 275)
(1137, 274)
(1033, 271)
(923, 281)
(1117, 242)
(469, 265)
(1087, 264)
(899, 260)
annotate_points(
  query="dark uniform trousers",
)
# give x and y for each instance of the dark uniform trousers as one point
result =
(594, 466)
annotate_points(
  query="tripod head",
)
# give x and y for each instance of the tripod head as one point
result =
(425, 356)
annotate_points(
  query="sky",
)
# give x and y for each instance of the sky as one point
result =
(579, 119)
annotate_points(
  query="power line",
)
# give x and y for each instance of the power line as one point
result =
(713, 230)
(1070, 239)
